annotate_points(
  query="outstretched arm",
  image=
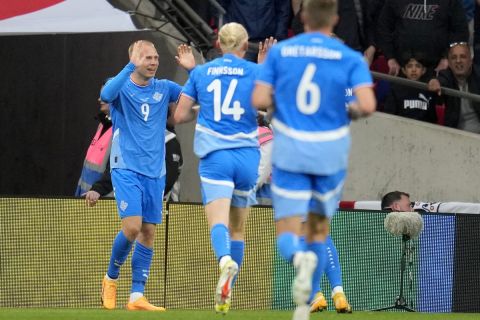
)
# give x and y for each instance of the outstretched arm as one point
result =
(262, 96)
(185, 111)
(365, 103)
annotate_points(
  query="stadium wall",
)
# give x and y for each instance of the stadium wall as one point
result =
(430, 162)
(54, 253)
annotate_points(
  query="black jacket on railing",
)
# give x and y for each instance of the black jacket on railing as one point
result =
(453, 104)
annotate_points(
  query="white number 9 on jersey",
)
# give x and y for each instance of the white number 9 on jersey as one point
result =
(308, 87)
(145, 108)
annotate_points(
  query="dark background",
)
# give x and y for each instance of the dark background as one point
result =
(48, 101)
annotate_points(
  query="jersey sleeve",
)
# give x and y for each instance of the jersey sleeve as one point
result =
(112, 88)
(359, 74)
(266, 72)
(174, 90)
(189, 89)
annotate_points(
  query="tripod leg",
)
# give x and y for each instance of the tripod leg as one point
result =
(385, 308)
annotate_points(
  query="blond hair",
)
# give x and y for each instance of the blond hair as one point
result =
(232, 37)
(144, 42)
(319, 13)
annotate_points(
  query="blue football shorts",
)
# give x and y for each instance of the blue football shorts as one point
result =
(231, 174)
(138, 195)
(297, 194)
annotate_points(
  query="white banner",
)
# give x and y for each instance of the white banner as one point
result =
(57, 16)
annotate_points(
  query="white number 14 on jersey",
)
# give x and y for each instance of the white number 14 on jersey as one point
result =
(220, 107)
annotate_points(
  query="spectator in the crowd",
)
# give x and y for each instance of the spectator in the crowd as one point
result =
(355, 26)
(261, 18)
(412, 102)
(460, 113)
(98, 152)
(427, 27)
(397, 201)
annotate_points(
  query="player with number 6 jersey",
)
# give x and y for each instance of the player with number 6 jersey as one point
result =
(226, 143)
(308, 76)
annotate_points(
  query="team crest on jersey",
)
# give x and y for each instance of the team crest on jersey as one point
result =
(123, 205)
(157, 96)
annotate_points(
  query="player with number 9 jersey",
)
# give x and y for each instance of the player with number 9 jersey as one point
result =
(139, 116)
(139, 106)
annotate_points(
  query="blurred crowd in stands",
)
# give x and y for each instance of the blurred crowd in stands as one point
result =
(431, 41)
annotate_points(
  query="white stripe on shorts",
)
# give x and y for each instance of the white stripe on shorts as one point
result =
(242, 193)
(218, 182)
(297, 195)
(329, 194)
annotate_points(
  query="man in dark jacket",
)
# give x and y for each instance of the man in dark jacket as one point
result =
(460, 113)
(261, 18)
(420, 25)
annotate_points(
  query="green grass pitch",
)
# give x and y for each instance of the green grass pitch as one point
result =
(99, 314)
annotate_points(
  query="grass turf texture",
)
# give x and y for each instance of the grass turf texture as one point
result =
(94, 314)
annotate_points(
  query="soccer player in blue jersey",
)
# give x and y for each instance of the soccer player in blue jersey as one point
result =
(227, 145)
(139, 105)
(308, 75)
(333, 268)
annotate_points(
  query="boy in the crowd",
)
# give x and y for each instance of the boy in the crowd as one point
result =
(412, 102)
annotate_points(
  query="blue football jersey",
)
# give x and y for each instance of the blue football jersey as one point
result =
(223, 88)
(139, 116)
(310, 74)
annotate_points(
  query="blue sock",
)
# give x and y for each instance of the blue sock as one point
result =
(141, 260)
(238, 248)
(288, 244)
(220, 239)
(320, 249)
(333, 270)
(120, 249)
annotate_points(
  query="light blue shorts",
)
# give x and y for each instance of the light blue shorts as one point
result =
(138, 195)
(297, 194)
(231, 174)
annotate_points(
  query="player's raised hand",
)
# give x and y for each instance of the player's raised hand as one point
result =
(264, 47)
(136, 57)
(185, 57)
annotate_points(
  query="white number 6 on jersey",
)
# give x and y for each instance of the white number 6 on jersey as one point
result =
(145, 108)
(306, 87)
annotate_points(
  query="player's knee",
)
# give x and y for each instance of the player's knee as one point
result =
(131, 230)
(147, 233)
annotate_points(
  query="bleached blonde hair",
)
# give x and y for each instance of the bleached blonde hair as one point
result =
(232, 37)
